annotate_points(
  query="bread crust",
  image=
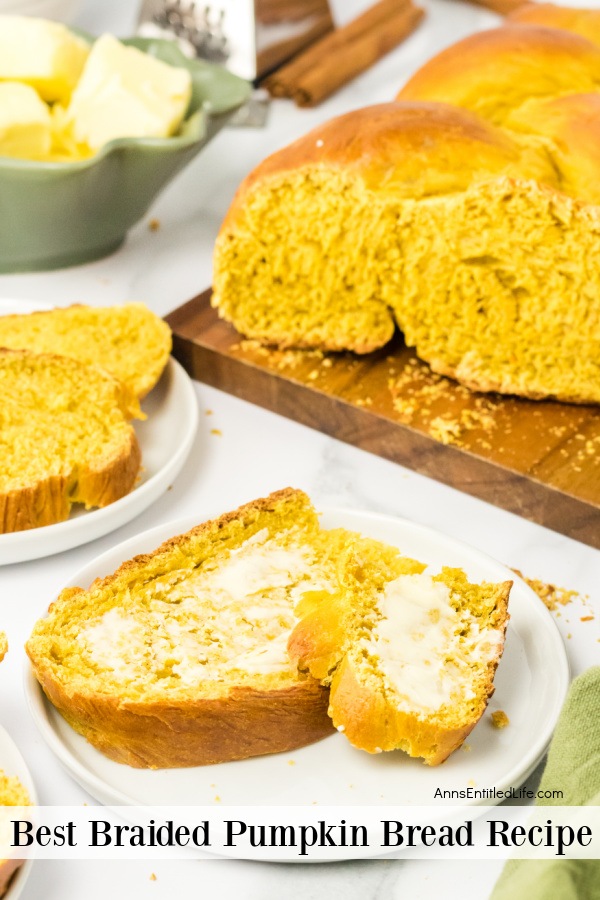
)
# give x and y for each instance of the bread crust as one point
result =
(173, 734)
(206, 529)
(585, 22)
(494, 70)
(191, 730)
(375, 140)
(49, 501)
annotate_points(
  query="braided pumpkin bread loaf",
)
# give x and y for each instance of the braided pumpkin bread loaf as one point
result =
(466, 213)
(585, 22)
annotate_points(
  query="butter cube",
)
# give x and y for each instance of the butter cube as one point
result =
(45, 55)
(25, 122)
(123, 92)
(64, 148)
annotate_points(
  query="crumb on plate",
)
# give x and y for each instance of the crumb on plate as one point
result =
(500, 719)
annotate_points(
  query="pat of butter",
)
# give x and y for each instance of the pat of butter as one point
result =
(45, 55)
(25, 123)
(123, 92)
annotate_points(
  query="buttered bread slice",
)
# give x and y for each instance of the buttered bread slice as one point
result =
(179, 658)
(410, 661)
(130, 341)
(64, 438)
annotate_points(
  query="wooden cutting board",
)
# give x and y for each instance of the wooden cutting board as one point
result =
(540, 460)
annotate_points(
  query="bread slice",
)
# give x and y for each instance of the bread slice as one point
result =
(179, 658)
(129, 341)
(410, 659)
(64, 438)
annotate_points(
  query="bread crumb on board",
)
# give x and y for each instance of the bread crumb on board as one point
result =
(152, 876)
(418, 394)
(500, 719)
(217, 432)
(154, 224)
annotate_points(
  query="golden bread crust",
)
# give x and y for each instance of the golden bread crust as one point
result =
(493, 71)
(175, 734)
(584, 22)
(388, 145)
(49, 501)
(209, 530)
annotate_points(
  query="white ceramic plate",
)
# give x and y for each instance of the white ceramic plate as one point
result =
(166, 438)
(531, 684)
(12, 763)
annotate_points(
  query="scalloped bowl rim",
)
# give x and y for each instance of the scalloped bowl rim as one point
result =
(174, 142)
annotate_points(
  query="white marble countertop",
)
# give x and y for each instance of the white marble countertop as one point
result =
(165, 268)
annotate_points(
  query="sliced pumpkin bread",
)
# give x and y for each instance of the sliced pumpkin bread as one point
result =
(410, 660)
(64, 438)
(129, 341)
(179, 658)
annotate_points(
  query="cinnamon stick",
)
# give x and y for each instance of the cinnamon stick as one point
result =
(329, 63)
(502, 7)
(272, 11)
(323, 80)
(274, 55)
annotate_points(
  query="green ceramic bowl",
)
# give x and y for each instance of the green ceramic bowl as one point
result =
(61, 214)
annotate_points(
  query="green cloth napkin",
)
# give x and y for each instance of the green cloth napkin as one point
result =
(573, 767)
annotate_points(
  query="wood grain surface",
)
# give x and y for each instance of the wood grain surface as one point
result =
(540, 460)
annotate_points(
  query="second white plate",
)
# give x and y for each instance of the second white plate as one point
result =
(531, 684)
(12, 763)
(166, 438)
